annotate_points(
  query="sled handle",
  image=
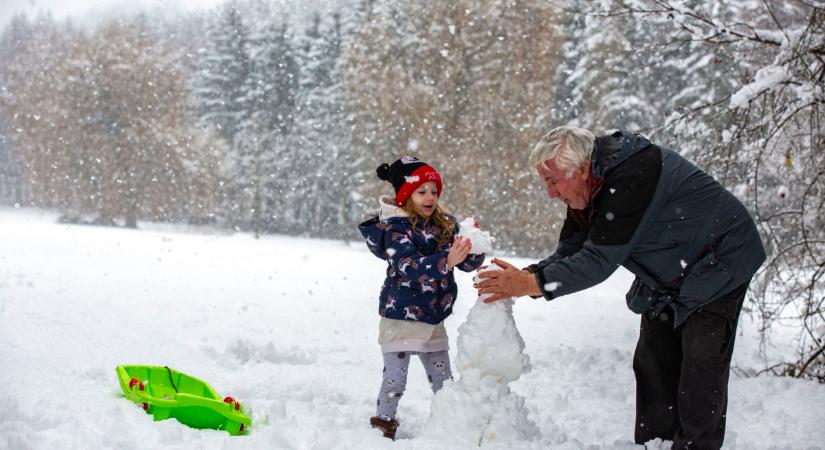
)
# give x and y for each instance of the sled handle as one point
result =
(135, 381)
(231, 400)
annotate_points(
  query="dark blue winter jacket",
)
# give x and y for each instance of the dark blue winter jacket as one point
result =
(419, 286)
(687, 239)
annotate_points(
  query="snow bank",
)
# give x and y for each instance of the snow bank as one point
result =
(268, 322)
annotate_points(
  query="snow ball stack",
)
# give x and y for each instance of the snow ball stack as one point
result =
(482, 241)
(479, 407)
(489, 340)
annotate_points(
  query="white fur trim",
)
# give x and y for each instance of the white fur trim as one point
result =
(387, 208)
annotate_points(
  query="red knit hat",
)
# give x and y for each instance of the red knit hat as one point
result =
(406, 175)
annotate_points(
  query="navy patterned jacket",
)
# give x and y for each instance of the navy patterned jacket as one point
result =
(419, 286)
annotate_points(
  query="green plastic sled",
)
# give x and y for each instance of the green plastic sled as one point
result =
(167, 393)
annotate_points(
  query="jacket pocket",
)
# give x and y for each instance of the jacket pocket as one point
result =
(642, 298)
(706, 278)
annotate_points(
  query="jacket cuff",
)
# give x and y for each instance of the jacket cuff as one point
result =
(532, 268)
(541, 282)
(472, 262)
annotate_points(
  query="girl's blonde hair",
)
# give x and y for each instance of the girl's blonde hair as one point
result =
(443, 224)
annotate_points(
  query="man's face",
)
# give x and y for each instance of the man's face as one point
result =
(573, 190)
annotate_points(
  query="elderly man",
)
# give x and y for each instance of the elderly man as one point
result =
(692, 246)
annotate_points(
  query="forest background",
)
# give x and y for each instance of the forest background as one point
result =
(256, 116)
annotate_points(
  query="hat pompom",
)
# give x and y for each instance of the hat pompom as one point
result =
(383, 171)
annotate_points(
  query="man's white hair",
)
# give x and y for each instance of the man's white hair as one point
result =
(569, 147)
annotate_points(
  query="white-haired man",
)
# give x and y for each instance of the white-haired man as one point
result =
(692, 246)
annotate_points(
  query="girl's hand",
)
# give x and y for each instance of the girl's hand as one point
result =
(458, 251)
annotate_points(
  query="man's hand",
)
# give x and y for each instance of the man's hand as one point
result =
(506, 283)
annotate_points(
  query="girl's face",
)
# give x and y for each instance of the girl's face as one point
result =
(425, 198)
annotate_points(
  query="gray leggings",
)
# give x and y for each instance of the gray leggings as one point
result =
(436, 364)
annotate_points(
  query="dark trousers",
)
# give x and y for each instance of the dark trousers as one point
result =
(682, 374)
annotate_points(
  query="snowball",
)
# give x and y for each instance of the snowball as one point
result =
(482, 241)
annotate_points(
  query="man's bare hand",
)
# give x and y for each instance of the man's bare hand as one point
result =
(506, 283)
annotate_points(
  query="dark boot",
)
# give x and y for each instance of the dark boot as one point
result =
(388, 427)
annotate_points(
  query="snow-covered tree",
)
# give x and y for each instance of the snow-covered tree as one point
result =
(323, 197)
(224, 68)
(599, 85)
(270, 93)
(104, 126)
(12, 186)
(31, 80)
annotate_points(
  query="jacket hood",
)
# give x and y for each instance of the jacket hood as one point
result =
(379, 224)
(387, 208)
(613, 149)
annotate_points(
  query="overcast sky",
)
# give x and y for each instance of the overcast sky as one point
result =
(92, 11)
(89, 10)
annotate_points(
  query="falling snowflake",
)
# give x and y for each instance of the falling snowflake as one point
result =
(552, 286)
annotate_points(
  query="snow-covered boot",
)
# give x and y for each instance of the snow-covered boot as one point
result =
(387, 426)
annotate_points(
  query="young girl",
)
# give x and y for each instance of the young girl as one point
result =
(418, 240)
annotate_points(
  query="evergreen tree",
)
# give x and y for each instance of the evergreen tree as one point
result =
(601, 78)
(223, 70)
(270, 95)
(322, 134)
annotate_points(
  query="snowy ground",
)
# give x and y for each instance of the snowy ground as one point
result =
(288, 326)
